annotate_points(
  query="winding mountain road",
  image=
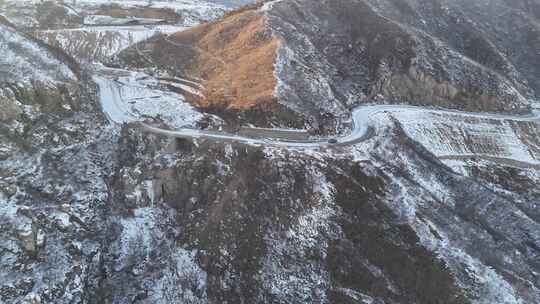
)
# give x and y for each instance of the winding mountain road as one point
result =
(134, 100)
(361, 131)
(117, 110)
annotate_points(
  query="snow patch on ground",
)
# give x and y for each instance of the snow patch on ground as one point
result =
(192, 11)
(178, 278)
(184, 283)
(133, 96)
(452, 133)
(488, 285)
(455, 134)
(108, 20)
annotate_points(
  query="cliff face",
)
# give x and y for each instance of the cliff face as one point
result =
(36, 79)
(155, 220)
(383, 223)
(52, 166)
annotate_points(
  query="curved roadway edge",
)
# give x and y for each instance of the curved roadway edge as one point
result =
(117, 112)
(362, 129)
(115, 108)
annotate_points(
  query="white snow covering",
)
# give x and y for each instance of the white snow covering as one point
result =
(192, 11)
(70, 10)
(149, 189)
(489, 286)
(462, 134)
(481, 280)
(319, 86)
(108, 20)
(101, 42)
(366, 117)
(268, 5)
(23, 60)
(192, 88)
(181, 275)
(186, 276)
(133, 96)
(138, 236)
(194, 5)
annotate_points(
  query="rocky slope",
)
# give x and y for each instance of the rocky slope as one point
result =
(387, 224)
(98, 44)
(440, 53)
(51, 182)
(40, 14)
(437, 53)
(431, 208)
(35, 75)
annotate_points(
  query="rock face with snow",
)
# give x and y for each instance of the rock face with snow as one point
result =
(51, 181)
(35, 77)
(430, 206)
(453, 54)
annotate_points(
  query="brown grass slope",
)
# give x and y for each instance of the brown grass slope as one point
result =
(234, 56)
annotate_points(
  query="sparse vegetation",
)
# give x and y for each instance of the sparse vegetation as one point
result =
(235, 56)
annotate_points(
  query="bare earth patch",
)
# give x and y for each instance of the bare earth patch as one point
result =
(235, 56)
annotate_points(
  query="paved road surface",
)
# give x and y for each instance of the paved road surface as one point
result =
(117, 111)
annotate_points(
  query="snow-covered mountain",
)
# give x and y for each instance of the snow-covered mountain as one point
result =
(289, 151)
